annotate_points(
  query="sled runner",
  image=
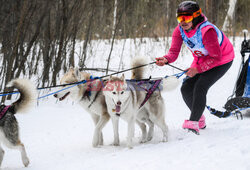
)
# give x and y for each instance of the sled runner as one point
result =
(240, 99)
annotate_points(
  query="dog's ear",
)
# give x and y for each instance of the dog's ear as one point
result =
(77, 72)
(71, 69)
(122, 77)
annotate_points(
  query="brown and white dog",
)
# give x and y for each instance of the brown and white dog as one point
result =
(90, 97)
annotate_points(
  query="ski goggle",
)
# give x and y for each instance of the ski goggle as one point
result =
(187, 17)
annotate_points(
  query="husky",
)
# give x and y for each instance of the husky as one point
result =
(123, 100)
(90, 96)
(9, 129)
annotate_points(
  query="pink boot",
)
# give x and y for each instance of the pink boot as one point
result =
(202, 123)
(192, 126)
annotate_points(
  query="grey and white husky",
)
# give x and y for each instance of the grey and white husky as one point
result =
(90, 97)
(9, 129)
(123, 100)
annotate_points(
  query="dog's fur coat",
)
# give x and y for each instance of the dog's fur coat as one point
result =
(9, 129)
(123, 100)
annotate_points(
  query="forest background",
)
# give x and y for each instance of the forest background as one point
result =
(49, 33)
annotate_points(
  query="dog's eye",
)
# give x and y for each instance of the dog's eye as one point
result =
(122, 92)
(114, 92)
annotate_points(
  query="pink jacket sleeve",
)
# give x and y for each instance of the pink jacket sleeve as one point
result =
(175, 48)
(211, 44)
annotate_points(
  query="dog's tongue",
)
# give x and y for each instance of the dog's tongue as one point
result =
(117, 108)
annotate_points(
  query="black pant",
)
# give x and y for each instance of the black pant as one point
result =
(194, 89)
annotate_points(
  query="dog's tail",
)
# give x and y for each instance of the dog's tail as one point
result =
(28, 94)
(138, 72)
(170, 83)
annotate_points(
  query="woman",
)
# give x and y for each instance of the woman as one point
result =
(213, 55)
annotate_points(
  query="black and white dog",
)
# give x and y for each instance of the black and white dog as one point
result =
(9, 129)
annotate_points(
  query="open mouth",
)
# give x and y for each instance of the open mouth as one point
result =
(117, 110)
(62, 98)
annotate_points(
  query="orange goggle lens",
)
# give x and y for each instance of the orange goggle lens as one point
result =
(185, 18)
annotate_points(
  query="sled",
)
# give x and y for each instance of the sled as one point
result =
(240, 99)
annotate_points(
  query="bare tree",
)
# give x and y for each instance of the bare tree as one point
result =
(229, 17)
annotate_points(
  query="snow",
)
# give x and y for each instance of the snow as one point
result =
(58, 135)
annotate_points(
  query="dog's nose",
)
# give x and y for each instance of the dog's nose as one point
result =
(119, 103)
(55, 95)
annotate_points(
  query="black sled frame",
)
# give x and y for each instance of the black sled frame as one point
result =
(236, 103)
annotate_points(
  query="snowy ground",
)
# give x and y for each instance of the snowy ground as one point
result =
(58, 136)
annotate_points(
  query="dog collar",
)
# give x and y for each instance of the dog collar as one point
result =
(3, 111)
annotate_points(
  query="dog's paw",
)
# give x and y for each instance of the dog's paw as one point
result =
(165, 139)
(95, 144)
(115, 144)
(143, 140)
(130, 146)
(149, 138)
(26, 161)
(101, 143)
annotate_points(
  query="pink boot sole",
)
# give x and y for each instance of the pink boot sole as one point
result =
(192, 126)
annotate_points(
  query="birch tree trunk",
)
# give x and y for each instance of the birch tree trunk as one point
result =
(230, 14)
(114, 20)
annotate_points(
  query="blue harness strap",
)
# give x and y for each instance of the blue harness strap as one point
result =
(5, 94)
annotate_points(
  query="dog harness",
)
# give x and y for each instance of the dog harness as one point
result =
(4, 111)
(87, 93)
(149, 91)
